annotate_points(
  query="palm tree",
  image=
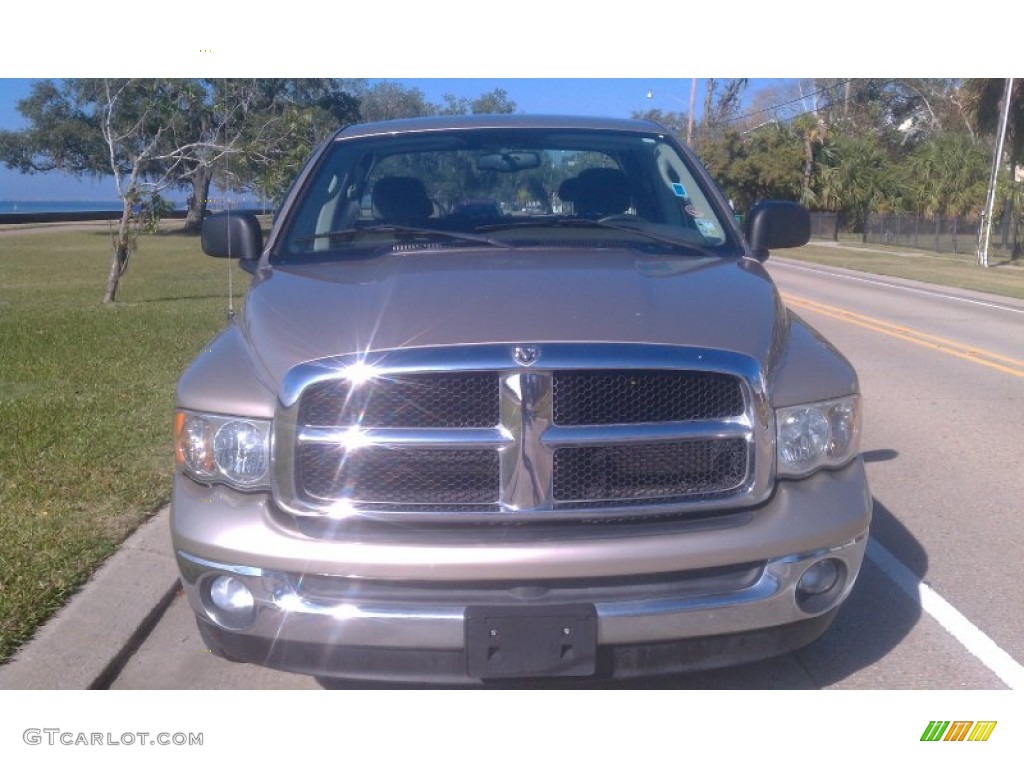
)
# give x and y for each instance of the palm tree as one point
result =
(854, 180)
(980, 100)
(813, 132)
(949, 175)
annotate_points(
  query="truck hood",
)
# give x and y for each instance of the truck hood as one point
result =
(294, 314)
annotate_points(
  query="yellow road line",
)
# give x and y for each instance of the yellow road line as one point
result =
(954, 348)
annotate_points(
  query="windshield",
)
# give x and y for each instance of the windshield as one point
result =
(502, 188)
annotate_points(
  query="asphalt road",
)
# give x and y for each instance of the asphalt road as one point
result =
(938, 603)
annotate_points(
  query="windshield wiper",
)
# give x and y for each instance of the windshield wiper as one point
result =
(610, 222)
(400, 231)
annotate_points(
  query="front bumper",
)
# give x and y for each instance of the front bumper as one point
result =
(691, 599)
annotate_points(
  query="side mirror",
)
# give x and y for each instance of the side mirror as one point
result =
(777, 224)
(233, 235)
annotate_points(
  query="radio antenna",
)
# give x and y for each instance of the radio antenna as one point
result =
(231, 280)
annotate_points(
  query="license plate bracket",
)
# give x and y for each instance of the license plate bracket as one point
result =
(531, 641)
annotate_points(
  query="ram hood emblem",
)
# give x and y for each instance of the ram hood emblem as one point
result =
(525, 354)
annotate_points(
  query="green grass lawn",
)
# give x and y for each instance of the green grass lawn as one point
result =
(86, 397)
(957, 271)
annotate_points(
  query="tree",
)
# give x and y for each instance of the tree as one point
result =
(211, 116)
(132, 130)
(754, 165)
(674, 121)
(283, 120)
(949, 176)
(981, 100)
(719, 107)
(813, 133)
(495, 102)
(388, 101)
(855, 179)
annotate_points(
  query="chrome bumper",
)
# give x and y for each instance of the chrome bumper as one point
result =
(282, 613)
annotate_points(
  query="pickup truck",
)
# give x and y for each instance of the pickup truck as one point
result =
(574, 434)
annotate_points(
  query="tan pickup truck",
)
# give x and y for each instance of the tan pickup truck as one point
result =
(514, 397)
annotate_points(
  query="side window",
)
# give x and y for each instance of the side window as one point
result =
(690, 202)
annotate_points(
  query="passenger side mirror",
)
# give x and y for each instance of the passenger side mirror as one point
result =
(233, 235)
(777, 224)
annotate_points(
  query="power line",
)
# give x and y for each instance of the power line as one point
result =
(791, 101)
(801, 98)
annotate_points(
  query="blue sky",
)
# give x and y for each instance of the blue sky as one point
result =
(561, 47)
(612, 97)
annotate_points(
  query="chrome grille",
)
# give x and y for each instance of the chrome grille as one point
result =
(682, 470)
(633, 397)
(577, 432)
(444, 400)
(399, 475)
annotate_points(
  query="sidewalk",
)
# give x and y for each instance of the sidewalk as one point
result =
(924, 254)
(87, 642)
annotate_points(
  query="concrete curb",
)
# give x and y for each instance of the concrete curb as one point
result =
(88, 641)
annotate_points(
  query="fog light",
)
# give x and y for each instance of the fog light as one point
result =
(821, 585)
(819, 578)
(232, 604)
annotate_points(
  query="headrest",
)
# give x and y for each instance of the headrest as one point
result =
(600, 191)
(401, 199)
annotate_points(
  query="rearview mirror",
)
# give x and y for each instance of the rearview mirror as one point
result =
(777, 224)
(506, 162)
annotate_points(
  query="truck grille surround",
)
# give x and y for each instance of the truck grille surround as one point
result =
(503, 432)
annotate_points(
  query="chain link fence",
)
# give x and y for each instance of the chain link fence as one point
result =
(942, 234)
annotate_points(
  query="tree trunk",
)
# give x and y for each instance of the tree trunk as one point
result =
(1005, 224)
(121, 251)
(708, 102)
(808, 161)
(200, 179)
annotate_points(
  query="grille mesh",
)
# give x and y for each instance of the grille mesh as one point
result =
(633, 397)
(435, 400)
(685, 469)
(399, 475)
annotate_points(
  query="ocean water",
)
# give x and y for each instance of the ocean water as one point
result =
(72, 206)
(61, 206)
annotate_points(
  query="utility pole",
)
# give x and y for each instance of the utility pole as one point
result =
(986, 215)
(693, 102)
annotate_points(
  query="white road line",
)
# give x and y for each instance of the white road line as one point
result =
(959, 626)
(897, 286)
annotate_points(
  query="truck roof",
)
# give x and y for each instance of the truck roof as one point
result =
(457, 122)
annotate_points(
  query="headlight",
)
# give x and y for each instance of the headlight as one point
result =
(232, 450)
(817, 435)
